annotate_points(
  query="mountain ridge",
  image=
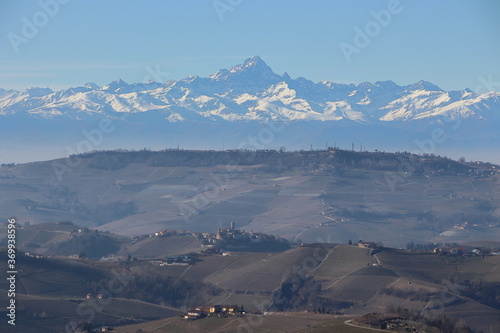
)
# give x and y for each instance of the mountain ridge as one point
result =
(231, 106)
(252, 91)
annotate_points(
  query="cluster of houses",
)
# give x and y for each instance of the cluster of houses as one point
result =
(485, 173)
(213, 310)
(167, 233)
(37, 256)
(180, 260)
(232, 234)
(464, 251)
(99, 296)
(214, 243)
(213, 240)
(467, 225)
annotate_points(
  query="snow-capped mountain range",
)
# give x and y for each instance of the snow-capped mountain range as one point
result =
(252, 91)
(229, 106)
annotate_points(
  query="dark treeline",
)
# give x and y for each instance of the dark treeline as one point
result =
(271, 244)
(88, 244)
(441, 322)
(409, 294)
(333, 160)
(299, 292)
(485, 292)
(168, 291)
(425, 246)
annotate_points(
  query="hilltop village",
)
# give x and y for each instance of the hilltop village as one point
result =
(226, 239)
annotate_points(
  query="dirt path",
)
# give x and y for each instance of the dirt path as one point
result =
(323, 260)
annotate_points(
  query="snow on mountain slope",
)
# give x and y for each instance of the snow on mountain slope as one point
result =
(253, 92)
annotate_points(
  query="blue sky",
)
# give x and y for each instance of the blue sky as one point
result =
(452, 43)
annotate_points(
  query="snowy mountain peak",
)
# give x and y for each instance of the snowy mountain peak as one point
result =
(219, 75)
(255, 64)
(424, 85)
(117, 85)
(388, 85)
(91, 85)
(119, 81)
(251, 91)
(253, 74)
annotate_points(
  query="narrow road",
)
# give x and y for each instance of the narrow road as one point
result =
(348, 322)
(374, 258)
(393, 283)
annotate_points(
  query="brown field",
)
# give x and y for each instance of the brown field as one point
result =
(249, 279)
(312, 202)
(290, 204)
(296, 322)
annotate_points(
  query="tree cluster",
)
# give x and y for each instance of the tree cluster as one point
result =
(168, 291)
(444, 323)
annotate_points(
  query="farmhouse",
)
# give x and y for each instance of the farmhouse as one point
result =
(194, 314)
(370, 245)
(213, 310)
(231, 309)
(210, 309)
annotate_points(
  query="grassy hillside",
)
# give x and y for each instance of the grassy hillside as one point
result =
(296, 322)
(42, 314)
(425, 282)
(309, 196)
(161, 247)
(323, 198)
(65, 239)
(336, 279)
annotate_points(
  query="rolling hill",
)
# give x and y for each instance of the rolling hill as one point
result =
(310, 196)
(347, 281)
